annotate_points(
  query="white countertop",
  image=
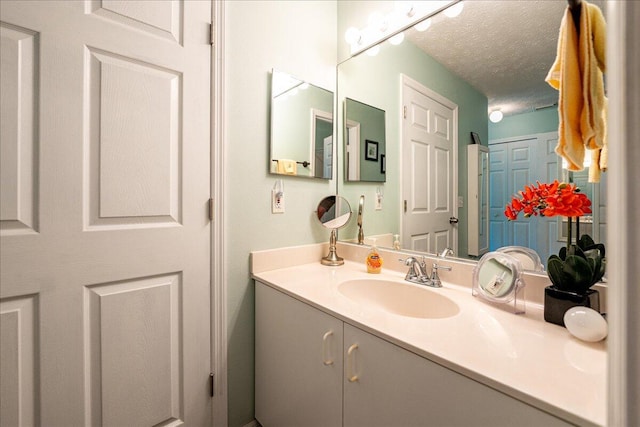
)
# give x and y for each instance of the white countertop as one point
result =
(521, 355)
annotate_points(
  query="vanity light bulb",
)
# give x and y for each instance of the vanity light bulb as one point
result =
(496, 116)
(397, 39)
(352, 35)
(377, 21)
(423, 26)
(405, 8)
(373, 51)
(454, 10)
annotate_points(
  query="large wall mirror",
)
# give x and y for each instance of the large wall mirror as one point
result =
(301, 128)
(437, 86)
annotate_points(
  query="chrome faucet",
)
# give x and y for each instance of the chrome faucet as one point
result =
(445, 252)
(360, 231)
(416, 273)
(435, 279)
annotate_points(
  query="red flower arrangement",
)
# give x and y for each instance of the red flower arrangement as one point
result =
(549, 200)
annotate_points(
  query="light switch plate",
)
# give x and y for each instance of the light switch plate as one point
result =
(460, 202)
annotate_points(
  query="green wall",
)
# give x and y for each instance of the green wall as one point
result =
(298, 38)
(525, 124)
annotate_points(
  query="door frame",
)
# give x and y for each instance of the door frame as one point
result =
(219, 405)
(623, 67)
(419, 87)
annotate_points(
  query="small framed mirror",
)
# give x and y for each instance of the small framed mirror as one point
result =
(301, 128)
(365, 142)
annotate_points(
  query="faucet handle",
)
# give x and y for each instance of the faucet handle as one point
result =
(408, 260)
(440, 267)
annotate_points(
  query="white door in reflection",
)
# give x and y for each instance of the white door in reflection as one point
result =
(429, 159)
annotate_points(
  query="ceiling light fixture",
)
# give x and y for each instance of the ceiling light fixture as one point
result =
(495, 116)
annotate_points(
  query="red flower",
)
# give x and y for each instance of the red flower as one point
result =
(549, 200)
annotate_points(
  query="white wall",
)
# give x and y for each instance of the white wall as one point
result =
(298, 38)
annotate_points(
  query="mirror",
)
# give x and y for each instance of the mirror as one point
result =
(364, 143)
(333, 212)
(301, 128)
(479, 64)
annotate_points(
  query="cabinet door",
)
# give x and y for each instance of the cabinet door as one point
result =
(298, 362)
(386, 385)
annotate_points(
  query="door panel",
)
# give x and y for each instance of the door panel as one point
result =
(106, 244)
(428, 158)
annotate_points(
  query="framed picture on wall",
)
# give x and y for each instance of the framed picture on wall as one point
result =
(383, 163)
(371, 150)
(475, 138)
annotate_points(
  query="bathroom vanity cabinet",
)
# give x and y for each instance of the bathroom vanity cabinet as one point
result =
(314, 369)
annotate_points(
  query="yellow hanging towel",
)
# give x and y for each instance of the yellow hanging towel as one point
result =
(287, 167)
(577, 73)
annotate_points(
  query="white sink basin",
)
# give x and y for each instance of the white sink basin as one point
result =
(400, 298)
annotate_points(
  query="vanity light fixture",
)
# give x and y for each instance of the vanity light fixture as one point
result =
(353, 36)
(373, 51)
(423, 26)
(405, 15)
(378, 22)
(495, 116)
(454, 10)
(397, 39)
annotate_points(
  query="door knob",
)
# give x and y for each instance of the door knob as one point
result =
(453, 220)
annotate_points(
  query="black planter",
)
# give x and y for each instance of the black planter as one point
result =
(557, 302)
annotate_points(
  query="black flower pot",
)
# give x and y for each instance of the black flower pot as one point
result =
(557, 302)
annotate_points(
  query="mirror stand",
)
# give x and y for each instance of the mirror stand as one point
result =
(332, 258)
(333, 213)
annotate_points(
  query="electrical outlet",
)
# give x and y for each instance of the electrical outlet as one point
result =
(277, 202)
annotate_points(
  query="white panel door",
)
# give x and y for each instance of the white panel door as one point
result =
(516, 162)
(429, 158)
(105, 237)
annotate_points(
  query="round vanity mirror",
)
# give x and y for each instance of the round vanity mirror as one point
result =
(333, 213)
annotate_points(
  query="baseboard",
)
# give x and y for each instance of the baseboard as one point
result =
(253, 423)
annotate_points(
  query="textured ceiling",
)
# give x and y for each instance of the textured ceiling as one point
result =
(502, 48)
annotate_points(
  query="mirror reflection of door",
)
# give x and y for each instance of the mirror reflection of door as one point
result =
(516, 162)
(429, 159)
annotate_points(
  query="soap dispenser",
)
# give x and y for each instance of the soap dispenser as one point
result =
(396, 242)
(374, 260)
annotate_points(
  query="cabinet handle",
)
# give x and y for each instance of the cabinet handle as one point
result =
(326, 357)
(351, 375)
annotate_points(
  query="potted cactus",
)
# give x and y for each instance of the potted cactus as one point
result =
(578, 266)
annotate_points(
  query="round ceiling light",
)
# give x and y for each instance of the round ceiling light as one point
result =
(495, 116)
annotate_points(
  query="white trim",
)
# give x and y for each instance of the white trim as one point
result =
(218, 237)
(623, 65)
(253, 423)
(419, 87)
(316, 115)
(352, 160)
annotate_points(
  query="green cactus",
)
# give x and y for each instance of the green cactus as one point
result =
(577, 267)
